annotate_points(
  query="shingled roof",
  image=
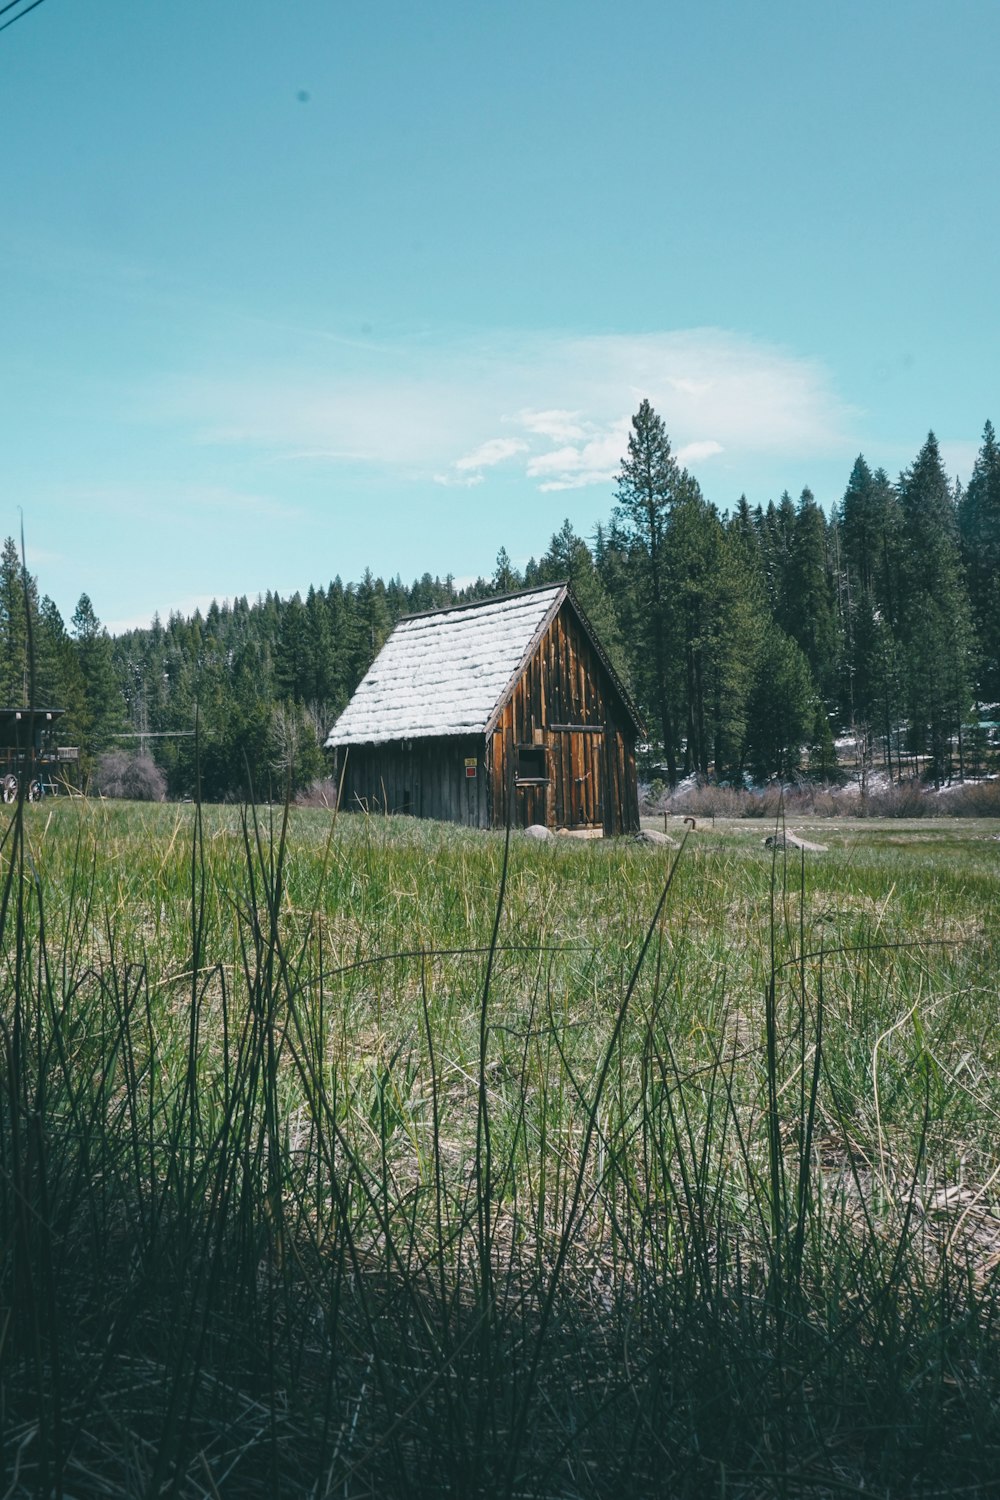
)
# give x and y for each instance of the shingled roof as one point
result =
(446, 672)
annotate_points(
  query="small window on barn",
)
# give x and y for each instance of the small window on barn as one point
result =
(531, 763)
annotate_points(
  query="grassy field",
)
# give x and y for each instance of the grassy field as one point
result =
(377, 1157)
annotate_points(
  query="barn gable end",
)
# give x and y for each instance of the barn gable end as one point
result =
(563, 739)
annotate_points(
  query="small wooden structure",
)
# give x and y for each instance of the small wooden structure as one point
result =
(507, 707)
(29, 756)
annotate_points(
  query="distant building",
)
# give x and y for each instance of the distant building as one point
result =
(507, 707)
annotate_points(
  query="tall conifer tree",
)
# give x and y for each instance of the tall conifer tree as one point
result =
(647, 487)
(809, 607)
(934, 615)
(979, 528)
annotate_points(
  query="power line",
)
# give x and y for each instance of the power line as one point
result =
(10, 5)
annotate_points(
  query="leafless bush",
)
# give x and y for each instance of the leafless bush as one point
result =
(915, 799)
(318, 794)
(135, 777)
(971, 799)
(712, 801)
(898, 799)
(825, 802)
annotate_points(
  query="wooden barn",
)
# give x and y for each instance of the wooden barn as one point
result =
(510, 697)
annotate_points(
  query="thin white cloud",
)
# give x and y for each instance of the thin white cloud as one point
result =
(689, 387)
(573, 467)
(558, 426)
(495, 451)
(459, 481)
(431, 413)
(39, 557)
(560, 460)
(696, 453)
(750, 395)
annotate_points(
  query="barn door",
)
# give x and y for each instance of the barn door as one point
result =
(583, 770)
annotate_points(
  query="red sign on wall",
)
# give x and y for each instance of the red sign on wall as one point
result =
(470, 769)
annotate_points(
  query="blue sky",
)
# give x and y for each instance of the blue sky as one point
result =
(288, 290)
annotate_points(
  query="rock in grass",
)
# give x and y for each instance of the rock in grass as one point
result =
(653, 836)
(537, 831)
(791, 841)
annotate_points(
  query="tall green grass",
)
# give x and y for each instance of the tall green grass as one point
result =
(343, 1158)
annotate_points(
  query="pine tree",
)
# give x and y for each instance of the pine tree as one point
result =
(569, 559)
(648, 483)
(862, 526)
(291, 660)
(809, 602)
(871, 532)
(373, 621)
(505, 576)
(320, 678)
(776, 534)
(935, 624)
(51, 648)
(103, 711)
(14, 674)
(979, 528)
(743, 623)
(857, 532)
(782, 712)
(694, 547)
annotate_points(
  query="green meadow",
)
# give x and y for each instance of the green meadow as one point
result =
(363, 1156)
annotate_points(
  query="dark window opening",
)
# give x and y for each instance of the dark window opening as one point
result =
(531, 763)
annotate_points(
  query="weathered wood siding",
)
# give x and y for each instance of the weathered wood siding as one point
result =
(564, 703)
(425, 778)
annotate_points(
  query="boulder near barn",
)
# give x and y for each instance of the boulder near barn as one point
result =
(505, 708)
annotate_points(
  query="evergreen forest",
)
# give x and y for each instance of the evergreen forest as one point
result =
(750, 639)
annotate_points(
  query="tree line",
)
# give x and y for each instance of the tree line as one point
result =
(749, 639)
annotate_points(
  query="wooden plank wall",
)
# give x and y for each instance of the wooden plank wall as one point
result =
(565, 701)
(425, 778)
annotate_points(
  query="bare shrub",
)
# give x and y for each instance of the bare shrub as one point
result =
(971, 799)
(766, 802)
(825, 803)
(898, 799)
(137, 778)
(318, 794)
(713, 801)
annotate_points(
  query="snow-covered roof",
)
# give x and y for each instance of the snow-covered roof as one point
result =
(445, 673)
